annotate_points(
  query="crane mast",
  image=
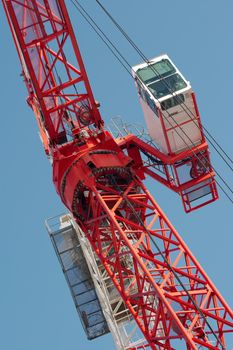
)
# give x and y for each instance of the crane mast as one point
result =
(100, 180)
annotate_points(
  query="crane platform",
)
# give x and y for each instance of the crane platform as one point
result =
(70, 255)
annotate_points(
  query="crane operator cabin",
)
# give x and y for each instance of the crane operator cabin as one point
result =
(168, 104)
(129, 271)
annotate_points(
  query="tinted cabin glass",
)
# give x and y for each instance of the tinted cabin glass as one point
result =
(166, 86)
(150, 102)
(172, 102)
(146, 97)
(155, 71)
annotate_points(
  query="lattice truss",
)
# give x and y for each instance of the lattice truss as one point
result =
(52, 66)
(162, 284)
(164, 288)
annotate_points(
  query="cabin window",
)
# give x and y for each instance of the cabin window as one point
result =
(140, 87)
(167, 86)
(156, 71)
(172, 102)
(150, 102)
(146, 96)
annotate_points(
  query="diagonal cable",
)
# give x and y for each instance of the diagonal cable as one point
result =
(112, 48)
(176, 97)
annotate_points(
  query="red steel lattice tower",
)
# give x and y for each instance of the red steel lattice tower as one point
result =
(100, 180)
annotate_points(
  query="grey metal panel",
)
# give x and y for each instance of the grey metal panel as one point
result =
(78, 277)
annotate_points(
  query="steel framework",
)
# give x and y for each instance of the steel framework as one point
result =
(99, 179)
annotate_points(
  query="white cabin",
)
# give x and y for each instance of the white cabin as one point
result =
(168, 105)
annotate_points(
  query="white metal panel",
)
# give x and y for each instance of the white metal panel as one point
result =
(186, 133)
(154, 126)
(181, 119)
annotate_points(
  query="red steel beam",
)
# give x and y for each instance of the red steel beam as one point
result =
(163, 286)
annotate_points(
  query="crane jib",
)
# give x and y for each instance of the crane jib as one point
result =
(99, 178)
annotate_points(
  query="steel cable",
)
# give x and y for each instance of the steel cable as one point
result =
(109, 45)
(182, 104)
(112, 47)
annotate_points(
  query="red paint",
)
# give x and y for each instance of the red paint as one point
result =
(102, 186)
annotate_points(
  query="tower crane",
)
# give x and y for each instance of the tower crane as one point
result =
(100, 180)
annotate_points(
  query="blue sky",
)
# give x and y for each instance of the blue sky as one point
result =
(37, 311)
